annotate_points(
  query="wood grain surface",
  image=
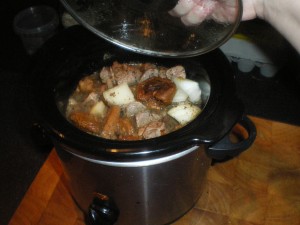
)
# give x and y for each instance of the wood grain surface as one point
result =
(259, 187)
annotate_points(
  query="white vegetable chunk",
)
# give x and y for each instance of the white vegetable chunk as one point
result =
(180, 96)
(99, 109)
(184, 112)
(119, 95)
(190, 87)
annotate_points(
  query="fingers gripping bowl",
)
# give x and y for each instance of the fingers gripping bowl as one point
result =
(133, 182)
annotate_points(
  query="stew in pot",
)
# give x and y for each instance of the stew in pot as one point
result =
(134, 101)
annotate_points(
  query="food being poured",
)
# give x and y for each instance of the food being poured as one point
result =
(134, 101)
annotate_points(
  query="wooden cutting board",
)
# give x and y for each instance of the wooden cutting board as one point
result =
(259, 187)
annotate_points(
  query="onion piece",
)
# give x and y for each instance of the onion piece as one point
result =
(184, 112)
(190, 87)
(99, 109)
(180, 96)
(119, 95)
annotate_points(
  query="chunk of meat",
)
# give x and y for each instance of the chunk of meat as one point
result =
(133, 108)
(110, 83)
(153, 129)
(176, 71)
(153, 72)
(85, 121)
(158, 88)
(100, 88)
(146, 117)
(162, 72)
(86, 105)
(154, 104)
(146, 66)
(120, 73)
(105, 74)
(171, 124)
(125, 73)
(86, 84)
(111, 123)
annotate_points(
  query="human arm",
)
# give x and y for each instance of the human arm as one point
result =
(284, 15)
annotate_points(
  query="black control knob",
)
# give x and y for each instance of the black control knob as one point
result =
(102, 211)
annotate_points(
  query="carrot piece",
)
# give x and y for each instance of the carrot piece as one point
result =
(125, 127)
(111, 122)
(85, 121)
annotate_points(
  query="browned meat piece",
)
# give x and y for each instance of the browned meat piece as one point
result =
(147, 66)
(158, 88)
(153, 129)
(166, 95)
(110, 83)
(125, 73)
(171, 124)
(162, 73)
(144, 118)
(133, 108)
(99, 88)
(91, 84)
(176, 71)
(105, 74)
(91, 99)
(111, 123)
(86, 84)
(154, 104)
(153, 72)
(85, 121)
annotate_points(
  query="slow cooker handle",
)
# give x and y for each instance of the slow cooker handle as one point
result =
(225, 149)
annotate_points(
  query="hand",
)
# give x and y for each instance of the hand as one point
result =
(249, 9)
(194, 12)
(282, 14)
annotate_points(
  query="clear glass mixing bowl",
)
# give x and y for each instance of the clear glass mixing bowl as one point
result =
(155, 27)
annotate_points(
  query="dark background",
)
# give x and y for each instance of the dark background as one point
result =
(276, 98)
(20, 158)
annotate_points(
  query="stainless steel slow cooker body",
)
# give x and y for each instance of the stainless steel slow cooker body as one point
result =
(152, 181)
(156, 191)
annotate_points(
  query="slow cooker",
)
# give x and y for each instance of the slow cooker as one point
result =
(153, 181)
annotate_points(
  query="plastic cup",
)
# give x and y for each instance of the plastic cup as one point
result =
(35, 25)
